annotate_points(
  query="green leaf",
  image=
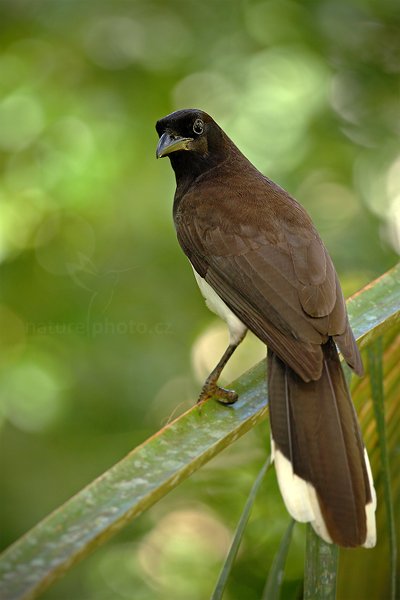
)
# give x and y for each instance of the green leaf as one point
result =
(367, 573)
(274, 582)
(375, 309)
(320, 570)
(375, 358)
(237, 538)
(150, 471)
(144, 476)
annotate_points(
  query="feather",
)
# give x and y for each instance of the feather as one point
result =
(319, 452)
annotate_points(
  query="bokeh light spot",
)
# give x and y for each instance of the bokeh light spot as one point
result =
(120, 41)
(114, 42)
(73, 137)
(212, 343)
(274, 22)
(30, 394)
(175, 546)
(20, 215)
(282, 90)
(393, 214)
(206, 90)
(21, 121)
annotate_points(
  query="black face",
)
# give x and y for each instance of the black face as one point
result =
(183, 130)
(192, 141)
(185, 123)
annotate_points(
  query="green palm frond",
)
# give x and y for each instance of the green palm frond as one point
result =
(151, 470)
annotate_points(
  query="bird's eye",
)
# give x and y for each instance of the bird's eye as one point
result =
(198, 126)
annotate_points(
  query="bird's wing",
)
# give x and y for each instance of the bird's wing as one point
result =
(273, 272)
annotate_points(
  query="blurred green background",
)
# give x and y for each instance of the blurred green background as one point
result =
(104, 335)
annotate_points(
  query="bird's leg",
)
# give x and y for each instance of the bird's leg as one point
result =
(210, 387)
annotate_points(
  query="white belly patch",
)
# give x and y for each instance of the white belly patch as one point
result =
(236, 328)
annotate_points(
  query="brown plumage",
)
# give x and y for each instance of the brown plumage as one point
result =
(258, 250)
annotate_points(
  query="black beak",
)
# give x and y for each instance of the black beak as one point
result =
(171, 143)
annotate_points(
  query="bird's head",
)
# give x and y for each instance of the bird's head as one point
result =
(192, 140)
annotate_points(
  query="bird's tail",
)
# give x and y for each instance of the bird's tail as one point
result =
(321, 463)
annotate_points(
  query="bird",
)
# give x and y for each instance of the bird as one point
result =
(261, 266)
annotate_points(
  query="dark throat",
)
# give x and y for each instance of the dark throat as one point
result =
(188, 167)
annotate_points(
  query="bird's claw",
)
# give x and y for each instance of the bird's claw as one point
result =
(211, 390)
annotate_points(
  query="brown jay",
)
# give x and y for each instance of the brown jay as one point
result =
(261, 265)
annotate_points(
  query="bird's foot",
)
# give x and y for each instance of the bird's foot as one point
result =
(212, 390)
